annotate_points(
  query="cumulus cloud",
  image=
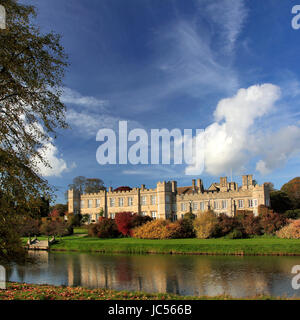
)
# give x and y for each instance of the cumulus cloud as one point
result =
(49, 152)
(234, 138)
(57, 164)
(73, 97)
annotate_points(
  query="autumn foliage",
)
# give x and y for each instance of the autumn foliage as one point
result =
(206, 225)
(124, 222)
(158, 229)
(290, 231)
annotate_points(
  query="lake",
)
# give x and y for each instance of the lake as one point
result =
(179, 274)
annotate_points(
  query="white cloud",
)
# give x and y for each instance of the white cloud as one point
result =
(87, 124)
(74, 97)
(58, 165)
(49, 152)
(235, 137)
(228, 16)
(277, 148)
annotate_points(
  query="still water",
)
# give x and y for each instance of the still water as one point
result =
(180, 274)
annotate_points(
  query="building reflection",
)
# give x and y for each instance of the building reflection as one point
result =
(185, 275)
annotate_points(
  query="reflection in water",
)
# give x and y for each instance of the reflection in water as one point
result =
(185, 275)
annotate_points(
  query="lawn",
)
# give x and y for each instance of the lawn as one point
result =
(253, 246)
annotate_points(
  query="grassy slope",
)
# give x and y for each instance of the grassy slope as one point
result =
(260, 245)
(18, 291)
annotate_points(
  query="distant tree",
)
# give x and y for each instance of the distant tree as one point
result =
(78, 184)
(280, 202)
(59, 210)
(93, 185)
(270, 185)
(292, 189)
(87, 185)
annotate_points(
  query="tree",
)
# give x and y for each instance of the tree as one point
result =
(59, 209)
(280, 202)
(292, 189)
(93, 185)
(270, 185)
(32, 66)
(87, 185)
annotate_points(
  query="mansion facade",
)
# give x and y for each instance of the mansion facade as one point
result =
(168, 201)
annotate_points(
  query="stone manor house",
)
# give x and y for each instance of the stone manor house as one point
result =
(167, 201)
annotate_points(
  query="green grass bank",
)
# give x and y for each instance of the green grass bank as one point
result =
(222, 246)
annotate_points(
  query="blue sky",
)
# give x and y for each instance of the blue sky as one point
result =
(170, 64)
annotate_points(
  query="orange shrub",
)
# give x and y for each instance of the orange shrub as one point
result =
(291, 231)
(157, 229)
(206, 225)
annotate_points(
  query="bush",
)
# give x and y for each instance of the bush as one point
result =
(206, 225)
(226, 224)
(157, 229)
(292, 214)
(104, 228)
(189, 216)
(291, 231)
(124, 222)
(138, 220)
(186, 228)
(235, 234)
(272, 222)
(29, 227)
(55, 228)
(75, 220)
(249, 224)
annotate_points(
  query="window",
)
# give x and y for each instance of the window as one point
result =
(174, 206)
(241, 203)
(254, 202)
(97, 203)
(153, 214)
(130, 201)
(90, 203)
(202, 206)
(216, 205)
(144, 200)
(267, 202)
(250, 203)
(143, 213)
(175, 217)
(82, 204)
(112, 215)
(153, 199)
(167, 198)
(224, 204)
(112, 202)
(182, 216)
(195, 206)
(121, 202)
(183, 207)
